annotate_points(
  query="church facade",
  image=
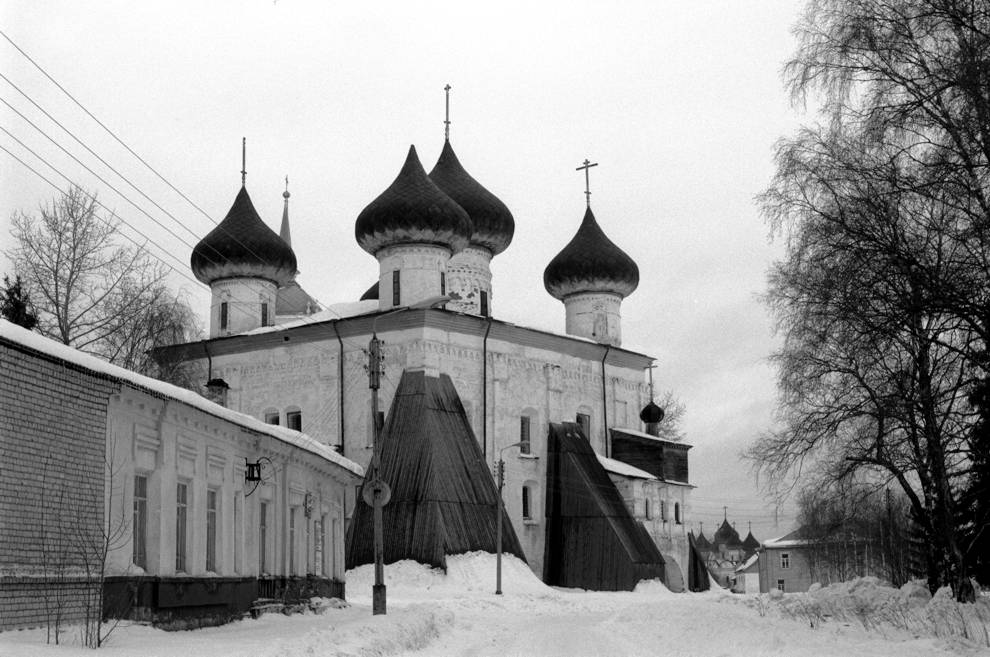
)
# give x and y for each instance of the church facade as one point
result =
(434, 236)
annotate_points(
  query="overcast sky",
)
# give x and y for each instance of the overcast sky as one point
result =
(679, 103)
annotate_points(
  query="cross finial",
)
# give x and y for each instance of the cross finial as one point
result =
(243, 160)
(587, 180)
(446, 120)
(285, 194)
(725, 513)
(650, 369)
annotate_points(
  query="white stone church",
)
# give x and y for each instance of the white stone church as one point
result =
(274, 354)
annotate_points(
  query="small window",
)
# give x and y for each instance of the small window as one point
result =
(524, 444)
(663, 511)
(140, 556)
(443, 283)
(585, 421)
(484, 304)
(677, 512)
(396, 296)
(211, 531)
(293, 420)
(264, 314)
(780, 585)
(526, 511)
(646, 508)
(271, 417)
(292, 541)
(181, 509)
(785, 560)
(223, 315)
(262, 537)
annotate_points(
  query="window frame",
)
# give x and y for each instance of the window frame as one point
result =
(584, 420)
(293, 417)
(262, 537)
(525, 434)
(212, 523)
(780, 585)
(224, 315)
(264, 313)
(396, 287)
(139, 534)
(527, 503)
(785, 560)
(182, 527)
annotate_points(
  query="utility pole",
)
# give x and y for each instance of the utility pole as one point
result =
(500, 509)
(379, 489)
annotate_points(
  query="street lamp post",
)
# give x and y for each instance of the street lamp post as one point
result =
(500, 479)
(380, 491)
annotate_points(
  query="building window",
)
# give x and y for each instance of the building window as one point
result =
(677, 512)
(264, 314)
(263, 538)
(292, 541)
(646, 508)
(785, 560)
(526, 511)
(320, 528)
(780, 585)
(211, 531)
(663, 511)
(271, 417)
(484, 304)
(584, 420)
(223, 315)
(443, 283)
(140, 539)
(293, 420)
(181, 509)
(395, 288)
(524, 444)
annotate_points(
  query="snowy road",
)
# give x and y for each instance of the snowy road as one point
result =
(431, 615)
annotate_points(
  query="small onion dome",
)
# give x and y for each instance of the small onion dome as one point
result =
(493, 223)
(651, 413)
(371, 293)
(412, 210)
(243, 246)
(701, 542)
(590, 263)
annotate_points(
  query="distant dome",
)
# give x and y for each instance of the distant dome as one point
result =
(651, 413)
(413, 210)
(590, 262)
(243, 246)
(493, 223)
(728, 535)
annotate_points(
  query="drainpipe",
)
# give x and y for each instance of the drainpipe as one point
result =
(340, 384)
(608, 348)
(484, 391)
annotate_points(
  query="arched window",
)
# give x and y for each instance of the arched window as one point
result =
(271, 416)
(293, 418)
(677, 512)
(526, 510)
(527, 421)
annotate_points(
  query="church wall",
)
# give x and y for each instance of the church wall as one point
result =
(542, 384)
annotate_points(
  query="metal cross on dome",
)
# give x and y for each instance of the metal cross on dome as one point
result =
(446, 120)
(587, 180)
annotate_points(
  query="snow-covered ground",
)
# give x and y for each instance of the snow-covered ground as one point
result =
(431, 614)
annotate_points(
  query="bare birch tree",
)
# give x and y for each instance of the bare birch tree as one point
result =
(90, 291)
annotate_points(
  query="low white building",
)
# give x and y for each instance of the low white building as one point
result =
(175, 507)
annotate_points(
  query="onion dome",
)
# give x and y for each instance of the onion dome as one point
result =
(590, 262)
(412, 210)
(701, 542)
(243, 246)
(728, 535)
(371, 293)
(750, 544)
(651, 413)
(493, 223)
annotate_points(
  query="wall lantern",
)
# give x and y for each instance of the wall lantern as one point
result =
(253, 471)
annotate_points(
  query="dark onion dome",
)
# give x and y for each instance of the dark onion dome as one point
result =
(750, 542)
(412, 210)
(371, 293)
(728, 535)
(701, 542)
(493, 223)
(590, 263)
(651, 413)
(243, 246)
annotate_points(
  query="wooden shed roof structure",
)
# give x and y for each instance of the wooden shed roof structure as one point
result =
(443, 499)
(592, 540)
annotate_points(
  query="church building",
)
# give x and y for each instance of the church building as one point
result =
(273, 353)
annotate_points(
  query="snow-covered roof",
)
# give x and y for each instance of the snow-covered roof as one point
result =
(792, 539)
(624, 469)
(43, 345)
(749, 562)
(334, 311)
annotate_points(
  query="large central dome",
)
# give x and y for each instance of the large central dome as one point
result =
(413, 210)
(242, 246)
(493, 223)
